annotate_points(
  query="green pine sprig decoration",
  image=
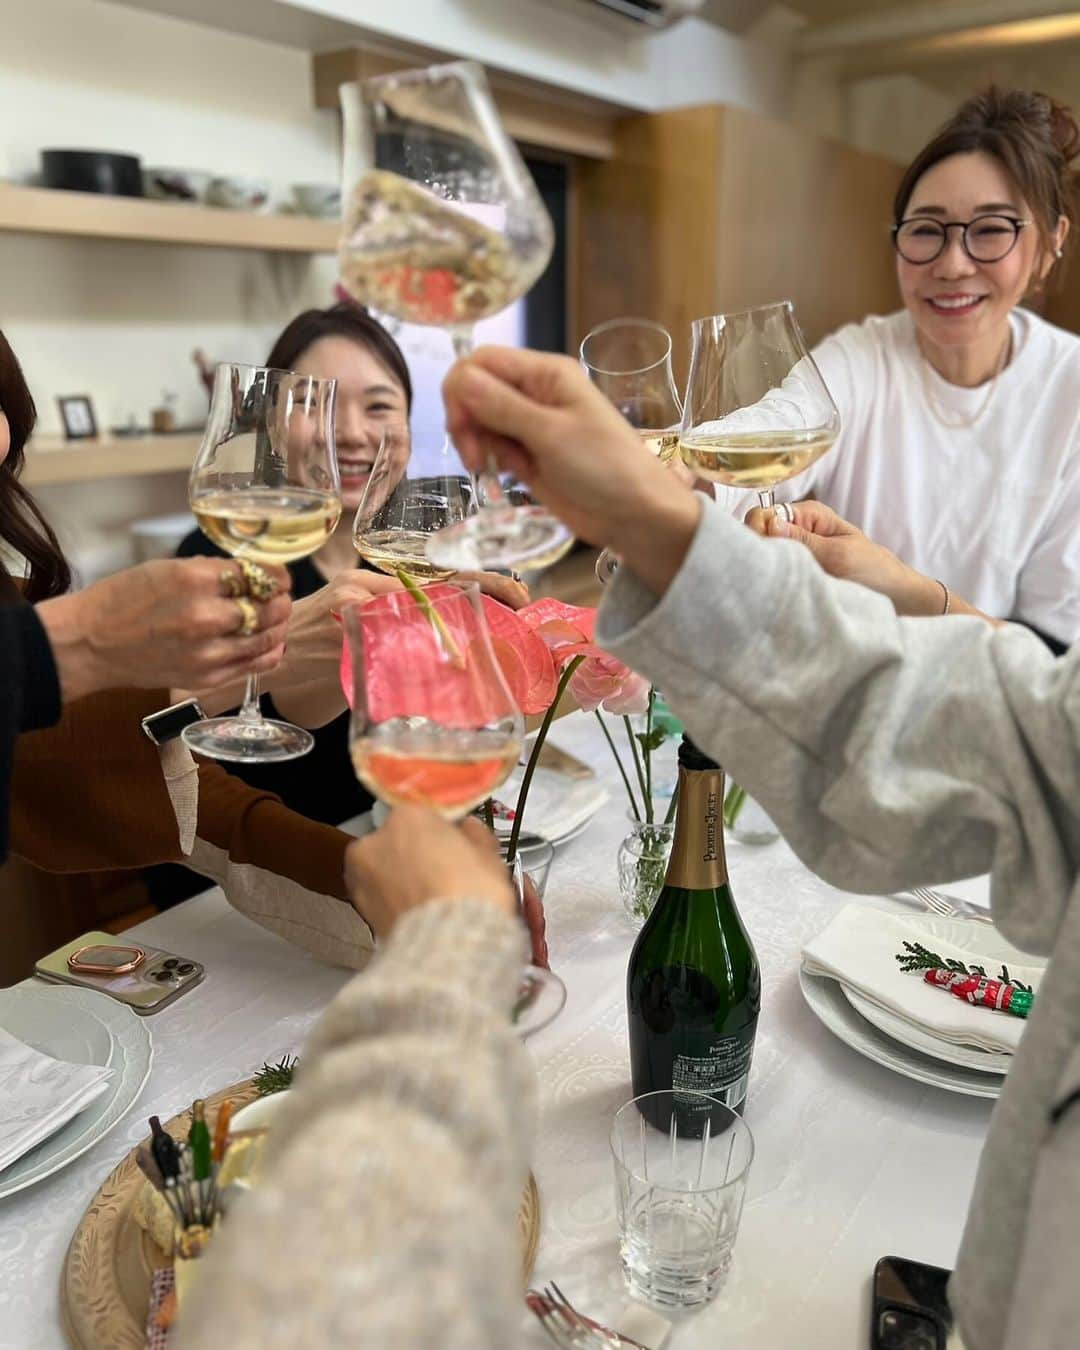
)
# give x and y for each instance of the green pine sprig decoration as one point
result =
(918, 957)
(277, 1077)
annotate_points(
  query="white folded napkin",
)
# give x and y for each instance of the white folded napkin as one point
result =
(859, 949)
(39, 1095)
(556, 806)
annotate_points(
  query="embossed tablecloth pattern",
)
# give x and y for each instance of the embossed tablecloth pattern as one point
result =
(853, 1162)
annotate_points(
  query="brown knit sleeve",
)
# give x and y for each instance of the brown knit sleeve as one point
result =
(87, 794)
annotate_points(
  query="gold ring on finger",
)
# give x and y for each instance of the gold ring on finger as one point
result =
(249, 617)
(233, 584)
(261, 585)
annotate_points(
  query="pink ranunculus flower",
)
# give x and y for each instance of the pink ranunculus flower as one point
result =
(602, 682)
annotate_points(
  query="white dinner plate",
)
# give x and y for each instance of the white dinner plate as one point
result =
(828, 1003)
(967, 1056)
(84, 1027)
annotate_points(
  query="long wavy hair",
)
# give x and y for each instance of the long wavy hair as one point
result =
(23, 529)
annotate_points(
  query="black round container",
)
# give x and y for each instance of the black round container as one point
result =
(92, 171)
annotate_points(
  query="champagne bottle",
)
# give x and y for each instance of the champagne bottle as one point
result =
(693, 985)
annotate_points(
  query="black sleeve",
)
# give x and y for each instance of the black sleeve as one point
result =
(196, 545)
(1057, 647)
(29, 692)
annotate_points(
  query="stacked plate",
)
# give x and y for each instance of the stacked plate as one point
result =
(82, 1027)
(917, 1031)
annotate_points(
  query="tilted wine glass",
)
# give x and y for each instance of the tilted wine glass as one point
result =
(629, 361)
(443, 225)
(757, 411)
(434, 723)
(264, 487)
(409, 495)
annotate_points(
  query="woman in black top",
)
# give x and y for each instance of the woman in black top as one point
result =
(374, 394)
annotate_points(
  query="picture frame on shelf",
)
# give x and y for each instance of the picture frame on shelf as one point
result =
(77, 415)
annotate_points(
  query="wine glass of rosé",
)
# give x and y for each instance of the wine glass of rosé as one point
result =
(434, 723)
(444, 226)
(264, 487)
(757, 411)
(629, 361)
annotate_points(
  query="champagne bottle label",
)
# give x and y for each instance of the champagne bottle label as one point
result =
(720, 1068)
(697, 859)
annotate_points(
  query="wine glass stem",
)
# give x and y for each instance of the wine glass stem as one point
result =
(489, 488)
(249, 709)
(765, 497)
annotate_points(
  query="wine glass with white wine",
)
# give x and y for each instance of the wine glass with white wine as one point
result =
(443, 225)
(757, 411)
(629, 361)
(265, 488)
(410, 494)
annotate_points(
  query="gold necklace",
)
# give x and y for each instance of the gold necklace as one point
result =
(969, 420)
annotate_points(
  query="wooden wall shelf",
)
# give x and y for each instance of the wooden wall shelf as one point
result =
(51, 460)
(27, 210)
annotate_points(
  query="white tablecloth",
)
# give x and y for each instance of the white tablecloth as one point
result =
(853, 1162)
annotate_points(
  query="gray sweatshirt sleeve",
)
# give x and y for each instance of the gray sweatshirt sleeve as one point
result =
(395, 1174)
(890, 752)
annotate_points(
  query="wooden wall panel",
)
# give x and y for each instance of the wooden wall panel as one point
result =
(712, 208)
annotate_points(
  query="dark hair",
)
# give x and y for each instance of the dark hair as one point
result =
(347, 320)
(1034, 137)
(22, 526)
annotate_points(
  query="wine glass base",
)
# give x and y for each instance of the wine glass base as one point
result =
(242, 741)
(541, 998)
(525, 537)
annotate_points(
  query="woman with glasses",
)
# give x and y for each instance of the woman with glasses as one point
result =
(960, 448)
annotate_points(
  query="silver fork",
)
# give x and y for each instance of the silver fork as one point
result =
(570, 1329)
(949, 908)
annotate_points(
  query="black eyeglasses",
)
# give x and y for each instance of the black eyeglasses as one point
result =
(986, 239)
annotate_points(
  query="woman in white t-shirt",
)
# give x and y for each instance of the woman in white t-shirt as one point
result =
(960, 448)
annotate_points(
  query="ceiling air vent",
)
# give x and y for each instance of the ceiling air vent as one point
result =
(654, 13)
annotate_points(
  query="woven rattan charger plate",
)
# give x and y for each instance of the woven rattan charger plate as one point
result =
(105, 1284)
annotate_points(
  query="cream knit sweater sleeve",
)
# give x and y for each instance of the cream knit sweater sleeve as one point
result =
(387, 1218)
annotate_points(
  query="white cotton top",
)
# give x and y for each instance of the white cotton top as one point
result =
(992, 509)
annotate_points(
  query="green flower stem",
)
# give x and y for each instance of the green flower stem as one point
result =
(645, 749)
(733, 804)
(453, 651)
(670, 816)
(538, 745)
(619, 764)
(640, 774)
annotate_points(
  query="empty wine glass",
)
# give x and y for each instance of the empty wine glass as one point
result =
(264, 487)
(629, 361)
(434, 723)
(409, 495)
(443, 226)
(757, 411)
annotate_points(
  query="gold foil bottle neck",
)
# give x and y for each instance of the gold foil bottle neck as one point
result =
(697, 854)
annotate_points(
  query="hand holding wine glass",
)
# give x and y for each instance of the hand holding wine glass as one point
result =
(433, 721)
(629, 361)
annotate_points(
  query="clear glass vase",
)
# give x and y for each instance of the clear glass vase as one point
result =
(642, 863)
(752, 825)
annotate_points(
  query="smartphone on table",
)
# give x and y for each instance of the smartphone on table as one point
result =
(146, 978)
(910, 1307)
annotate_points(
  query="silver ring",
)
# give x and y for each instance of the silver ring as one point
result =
(784, 510)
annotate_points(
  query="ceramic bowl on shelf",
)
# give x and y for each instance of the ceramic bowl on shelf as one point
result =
(92, 171)
(176, 185)
(322, 200)
(239, 194)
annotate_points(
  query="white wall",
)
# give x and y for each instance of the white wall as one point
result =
(118, 321)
